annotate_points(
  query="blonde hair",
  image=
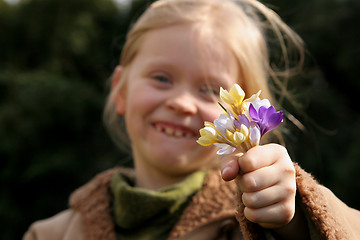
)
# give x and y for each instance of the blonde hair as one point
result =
(252, 31)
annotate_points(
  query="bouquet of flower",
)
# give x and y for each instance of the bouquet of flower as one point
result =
(242, 125)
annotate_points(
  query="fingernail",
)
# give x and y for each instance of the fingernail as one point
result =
(225, 170)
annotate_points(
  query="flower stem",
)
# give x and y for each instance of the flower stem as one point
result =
(222, 107)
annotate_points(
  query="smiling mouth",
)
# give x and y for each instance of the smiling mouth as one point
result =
(178, 132)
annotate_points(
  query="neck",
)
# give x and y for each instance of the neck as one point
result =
(154, 179)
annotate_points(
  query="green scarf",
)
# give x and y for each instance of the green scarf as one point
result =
(142, 214)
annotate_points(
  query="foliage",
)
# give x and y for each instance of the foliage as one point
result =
(56, 57)
(55, 61)
(329, 148)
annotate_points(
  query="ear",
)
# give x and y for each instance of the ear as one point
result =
(120, 96)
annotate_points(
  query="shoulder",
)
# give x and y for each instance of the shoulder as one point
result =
(64, 225)
(89, 216)
(95, 190)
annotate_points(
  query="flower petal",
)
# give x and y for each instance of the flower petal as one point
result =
(229, 136)
(226, 97)
(244, 130)
(257, 103)
(224, 149)
(274, 120)
(209, 124)
(224, 123)
(254, 135)
(237, 93)
(211, 132)
(231, 115)
(253, 113)
(269, 111)
(205, 141)
(262, 113)
(243, 120)
(202, 132)
(239, 138)
(253, 98)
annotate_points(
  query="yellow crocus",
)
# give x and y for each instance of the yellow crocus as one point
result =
(237, 93)
(239, 138)
(208, 135)
(246, 103)
(234, 97)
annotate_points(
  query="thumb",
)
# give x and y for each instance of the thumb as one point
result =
(229, 167)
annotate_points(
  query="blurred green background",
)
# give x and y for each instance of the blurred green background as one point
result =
(57, 55)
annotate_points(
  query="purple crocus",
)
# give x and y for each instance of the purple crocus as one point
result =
(242, 120)
(266, 117)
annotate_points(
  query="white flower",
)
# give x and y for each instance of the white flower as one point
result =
(224, 149)
(257, 103)
(254, 135)
(223, 123)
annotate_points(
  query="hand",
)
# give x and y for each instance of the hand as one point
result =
(266, 177)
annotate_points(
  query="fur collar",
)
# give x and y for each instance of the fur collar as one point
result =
(94, 202)
(214, 201)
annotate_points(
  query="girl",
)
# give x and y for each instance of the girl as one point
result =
(175, 59)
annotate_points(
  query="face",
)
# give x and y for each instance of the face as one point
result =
(166, 98)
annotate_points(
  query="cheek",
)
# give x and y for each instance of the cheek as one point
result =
(141, 101)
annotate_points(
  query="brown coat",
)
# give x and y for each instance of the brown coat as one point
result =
(210, 215)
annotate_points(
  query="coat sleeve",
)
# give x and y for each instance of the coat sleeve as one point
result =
(330, 216)
(345, 216)
(63, 226)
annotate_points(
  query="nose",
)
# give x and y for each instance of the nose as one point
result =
(182, 103)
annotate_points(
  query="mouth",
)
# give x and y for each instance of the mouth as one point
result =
(174, 130)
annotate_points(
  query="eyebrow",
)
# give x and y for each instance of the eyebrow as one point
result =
(158, 62)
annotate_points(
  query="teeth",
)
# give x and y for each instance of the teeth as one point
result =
(173, 132)
(158, 128)
(169, 131)
(188, 135)
(178, 134)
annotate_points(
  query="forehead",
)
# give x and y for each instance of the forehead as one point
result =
(187, 43)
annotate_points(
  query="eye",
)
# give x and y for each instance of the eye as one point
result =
(210, 93)
(210, 90)
(162, 79)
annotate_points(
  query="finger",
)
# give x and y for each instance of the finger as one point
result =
(229, 168)
(273, 216)
(260, 179)
(261, 156)
(268, 196)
